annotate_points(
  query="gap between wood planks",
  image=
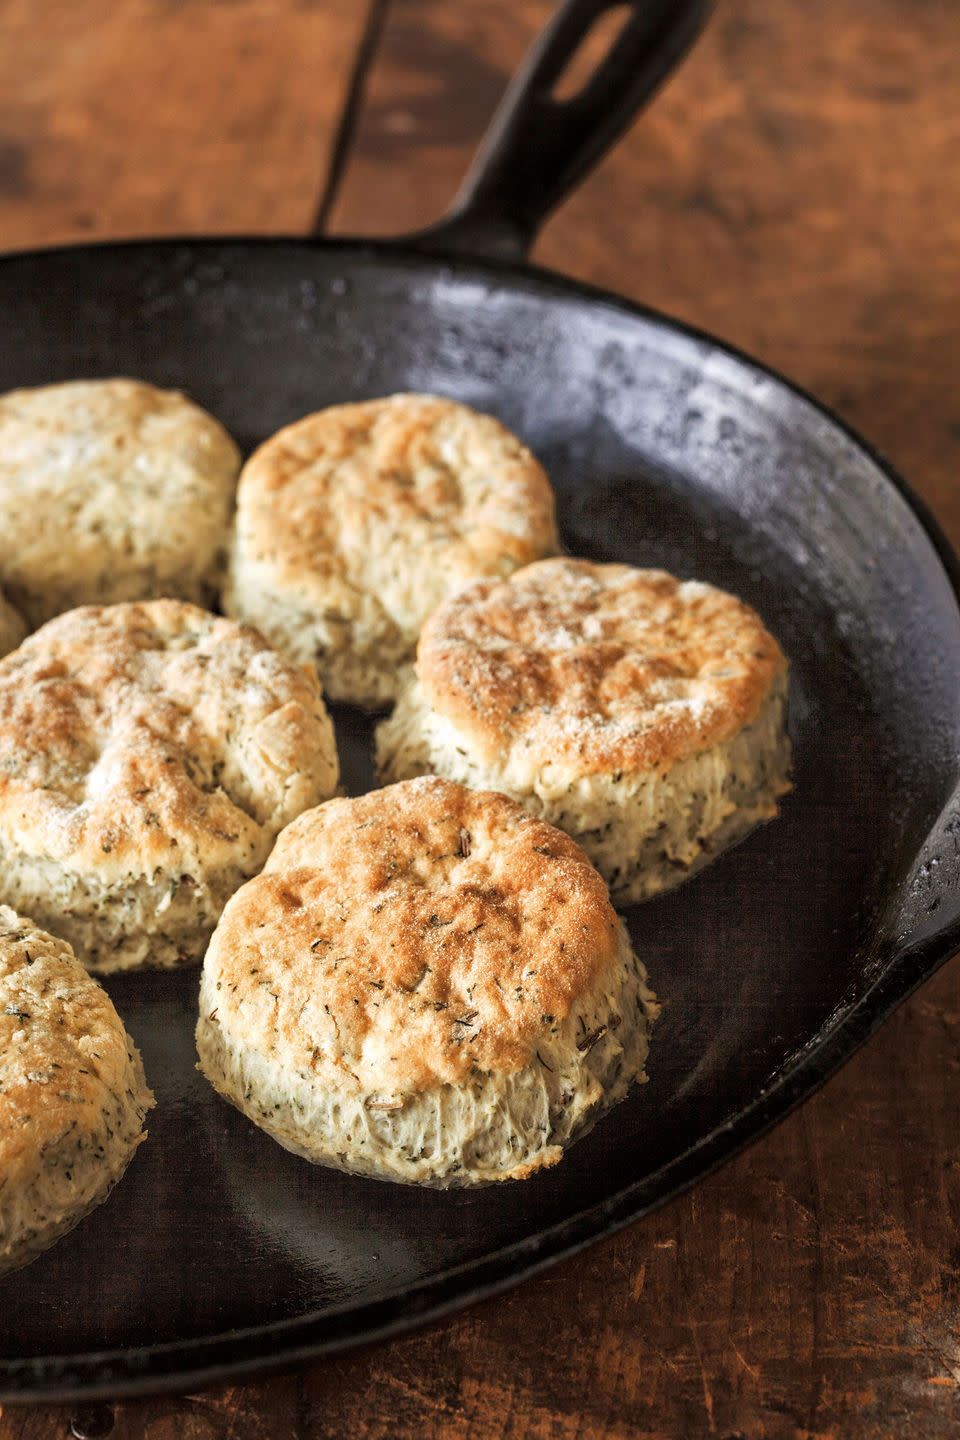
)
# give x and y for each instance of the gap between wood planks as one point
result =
(352, 104)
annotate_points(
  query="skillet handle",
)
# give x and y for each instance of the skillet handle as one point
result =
(538, 148)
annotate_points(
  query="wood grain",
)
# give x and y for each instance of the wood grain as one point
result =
(157, 117)
(794, 189)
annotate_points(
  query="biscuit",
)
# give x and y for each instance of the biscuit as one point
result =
(111, 490)
(643, 715)
(72, 1091)
(353, 524)
(149, 755)
(426, 984)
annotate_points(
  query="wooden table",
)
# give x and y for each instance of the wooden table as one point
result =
(795, 191)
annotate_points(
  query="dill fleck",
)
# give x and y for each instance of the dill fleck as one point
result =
(465, 843)
(588, 1041)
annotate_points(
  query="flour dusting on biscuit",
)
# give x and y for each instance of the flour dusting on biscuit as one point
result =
(72, 1091)
(354, 523)
(644, 715)
(111, 490)
(149, 755)
(425, 984)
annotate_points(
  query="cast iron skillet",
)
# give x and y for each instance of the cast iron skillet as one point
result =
(220, 1253)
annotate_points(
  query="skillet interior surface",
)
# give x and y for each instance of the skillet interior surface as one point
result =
(665, 449)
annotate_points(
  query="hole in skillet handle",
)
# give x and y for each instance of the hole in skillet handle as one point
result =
(538, 147)
(589, 55)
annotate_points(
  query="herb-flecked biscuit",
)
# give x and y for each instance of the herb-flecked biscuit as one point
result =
(72, 1091)
(644, 715)
(149, 755)
(426, 984)
(354, 523)
(111, 490)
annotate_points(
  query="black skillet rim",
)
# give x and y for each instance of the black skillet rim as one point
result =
(200, 1362)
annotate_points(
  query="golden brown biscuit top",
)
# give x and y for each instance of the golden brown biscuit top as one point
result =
(596, 668)
(351, 500)
(63, 1051)
(409, 938)
(155, 735)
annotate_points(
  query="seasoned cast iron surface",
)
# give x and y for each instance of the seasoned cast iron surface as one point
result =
(664, 450)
